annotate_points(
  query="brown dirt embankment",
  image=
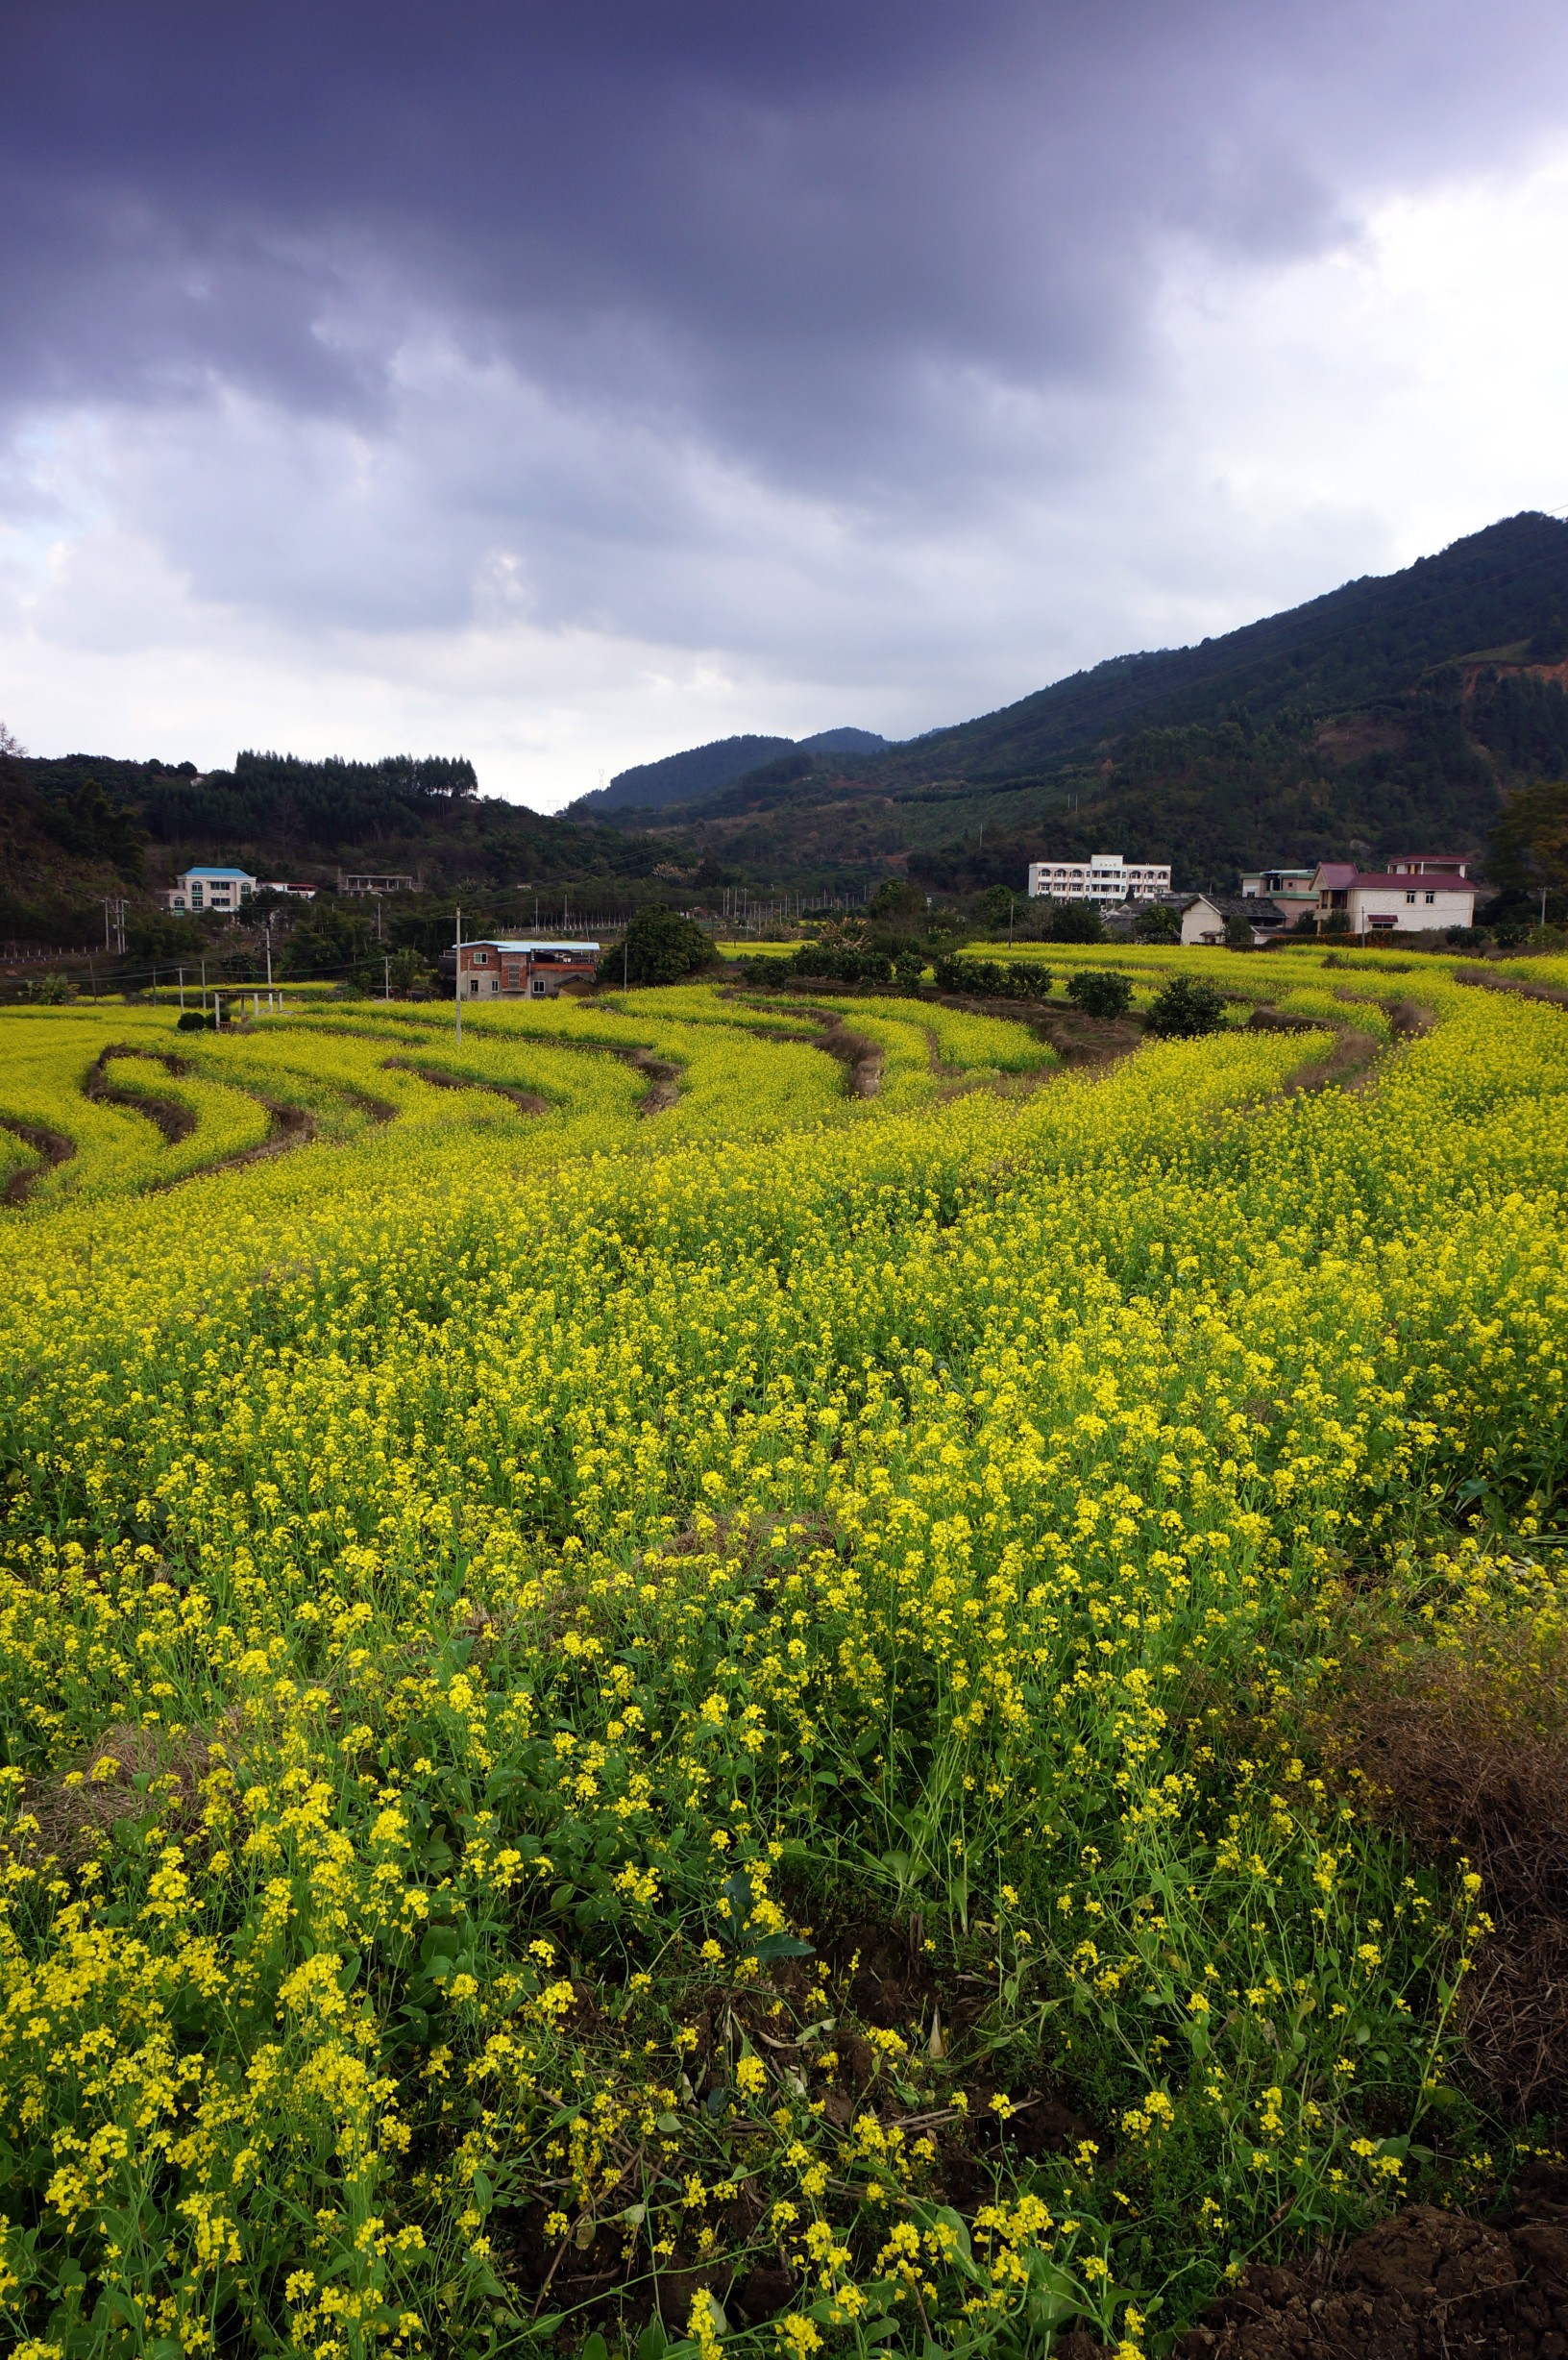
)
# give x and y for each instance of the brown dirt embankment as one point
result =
(53, 1146)
(525, 1101)
(174, 1121)
(1427, 2285)
(860, 1057)
(1484, 980)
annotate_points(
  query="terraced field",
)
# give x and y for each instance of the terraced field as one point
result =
(768, 1672)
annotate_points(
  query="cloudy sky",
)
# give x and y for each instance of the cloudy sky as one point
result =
(565, 381)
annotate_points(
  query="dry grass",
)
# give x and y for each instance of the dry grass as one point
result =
(1467, 1747)
(129, 1772)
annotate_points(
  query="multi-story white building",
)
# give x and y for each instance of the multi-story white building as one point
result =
(1106, 877)
(197, 891)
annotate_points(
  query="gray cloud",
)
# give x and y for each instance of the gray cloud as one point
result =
(771, 333)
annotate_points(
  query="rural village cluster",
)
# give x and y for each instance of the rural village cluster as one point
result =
(1418, 893)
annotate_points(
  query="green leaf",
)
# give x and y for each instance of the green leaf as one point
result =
(1054, 2294)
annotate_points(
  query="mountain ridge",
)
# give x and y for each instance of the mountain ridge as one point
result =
(699, 771)
(1391, 712)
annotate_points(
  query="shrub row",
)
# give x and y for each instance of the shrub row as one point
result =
(992, 978)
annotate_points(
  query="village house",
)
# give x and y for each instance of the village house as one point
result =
(196, 892)
(1291, 890)
(495, 968)
(386, 881)
(1106, 877)
(1418, 893)
(1204, 916)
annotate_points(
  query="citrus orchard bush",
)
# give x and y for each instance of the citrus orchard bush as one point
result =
(694, 1729)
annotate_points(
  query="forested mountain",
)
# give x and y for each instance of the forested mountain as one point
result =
(1392, 713)
(702, 770)
(75, 828)
(1366, 645)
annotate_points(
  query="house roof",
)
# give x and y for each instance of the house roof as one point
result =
(1257, 908)
(492, 942)
(1409, 880)
(201, 869)
(1261, 912)
(1335, 872)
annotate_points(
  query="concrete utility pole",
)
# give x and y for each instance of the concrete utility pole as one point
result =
(457, 979)
(386, 978)
(269, 953)
(181, 974)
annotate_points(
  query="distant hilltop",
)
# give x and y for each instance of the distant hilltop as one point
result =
(1400, 710)
(702, 770)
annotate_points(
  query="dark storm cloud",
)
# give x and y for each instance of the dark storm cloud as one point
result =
(773, 221)
(824, 347)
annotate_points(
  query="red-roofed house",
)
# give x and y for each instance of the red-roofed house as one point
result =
(491, 967)
(1418, 893)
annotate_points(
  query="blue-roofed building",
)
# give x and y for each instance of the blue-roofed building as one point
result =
(197, 891)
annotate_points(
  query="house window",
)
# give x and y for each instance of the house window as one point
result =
(1411, 898)
(1431, 898)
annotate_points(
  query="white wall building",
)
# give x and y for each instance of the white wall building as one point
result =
(197, 891)
(1106, 877)
(1414, 895)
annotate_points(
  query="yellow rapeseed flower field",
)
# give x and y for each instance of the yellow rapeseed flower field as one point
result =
(662, 1680)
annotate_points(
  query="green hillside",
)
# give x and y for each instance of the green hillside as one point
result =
(1394, 712)
(1364, 645)
(703, 772)
(77, 827)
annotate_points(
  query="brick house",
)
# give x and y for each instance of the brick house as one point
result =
(500, 970)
